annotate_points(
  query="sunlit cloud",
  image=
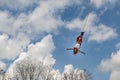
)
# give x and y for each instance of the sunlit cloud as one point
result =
(112, 65)
(117, 45)
(97, 32)
(2, 66)
(103, 3)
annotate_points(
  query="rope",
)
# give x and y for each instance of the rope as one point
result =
(85, 23)
(86, 18)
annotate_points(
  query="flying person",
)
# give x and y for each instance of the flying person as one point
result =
(79, 38)
(78, 44)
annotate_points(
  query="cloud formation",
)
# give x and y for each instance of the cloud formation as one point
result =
(28, 23)
(39, 52)
(24, 25)
(22, 4)
(102, 33)
(42, 50)
(117, 45)
(97, 32)
(17, 4)
(2, 66)
(6, 22)
(102, 3)
(74, 24)
(47, 21)
(11, 48)
(112, 65)
(68, 68)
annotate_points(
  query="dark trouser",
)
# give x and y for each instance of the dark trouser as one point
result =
(82, 33)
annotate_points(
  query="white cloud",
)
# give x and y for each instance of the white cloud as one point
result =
(97, 33)
(101, 3)
(2, 66)
(11, 48)
(112, 65)
(84, 25)
(20, 28)
(6, 22)
(74, 24)
(102, 33)
(18, 24)
(46, 21)
(118, 45)
(23, 4)
(115, 75)
(98, 3)
(41, 19)
(40, 51)
(17, 4)
(22, 56)
(68, 68)
(43, 49)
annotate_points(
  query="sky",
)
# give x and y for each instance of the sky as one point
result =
(43, 29)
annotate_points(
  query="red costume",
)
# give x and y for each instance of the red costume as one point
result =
(78, 43)
(79, 40)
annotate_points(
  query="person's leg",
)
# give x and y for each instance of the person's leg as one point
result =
(76, 48)
(77, 45)
(82, 33)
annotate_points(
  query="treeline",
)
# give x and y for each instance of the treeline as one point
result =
(30, 70)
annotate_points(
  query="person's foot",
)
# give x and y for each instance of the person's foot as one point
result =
(82, 33)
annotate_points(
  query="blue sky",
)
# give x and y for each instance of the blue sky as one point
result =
(52, 26)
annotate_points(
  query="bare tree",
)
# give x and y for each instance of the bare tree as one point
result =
(25, 70)
(2, 75)
(88, 75)
(76, 74)
(29, 70)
